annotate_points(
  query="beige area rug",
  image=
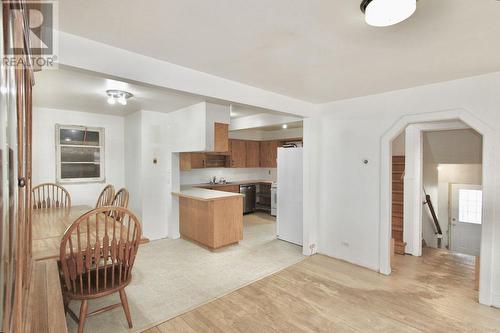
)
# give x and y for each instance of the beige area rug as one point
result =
(171, 277)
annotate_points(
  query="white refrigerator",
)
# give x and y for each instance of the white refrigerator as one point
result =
(289, 201)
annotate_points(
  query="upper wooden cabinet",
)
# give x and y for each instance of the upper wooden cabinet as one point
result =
(237, 153)
(240, 154)
(185, 161)
(198, 160)
(221, 137)
(268, 154)
(253, 154)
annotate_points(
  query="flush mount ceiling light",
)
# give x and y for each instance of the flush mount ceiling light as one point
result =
(284, 126)
(383, 13)
(118, 96)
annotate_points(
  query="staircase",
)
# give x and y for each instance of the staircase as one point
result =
(398, 168)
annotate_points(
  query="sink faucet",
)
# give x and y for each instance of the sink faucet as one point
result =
(213, 180)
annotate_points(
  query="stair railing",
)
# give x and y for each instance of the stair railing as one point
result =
(437, 228)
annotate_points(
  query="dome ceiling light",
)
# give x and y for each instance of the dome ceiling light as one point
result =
(118, 96)
(383, 13)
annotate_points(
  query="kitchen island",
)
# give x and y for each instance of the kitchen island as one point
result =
(211, 218)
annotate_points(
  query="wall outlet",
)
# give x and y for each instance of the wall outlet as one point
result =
(345, 244)
(312, 248)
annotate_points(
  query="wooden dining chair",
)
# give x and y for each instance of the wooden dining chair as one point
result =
(50, 195)
(106, 196)
(120, 199)
(97, 254)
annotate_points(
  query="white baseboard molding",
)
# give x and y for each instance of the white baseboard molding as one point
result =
(496, 301)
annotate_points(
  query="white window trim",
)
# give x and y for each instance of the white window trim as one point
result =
(102, 163)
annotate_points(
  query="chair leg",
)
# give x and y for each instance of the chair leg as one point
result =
(66, 304)
(83, 315)
(123, 298)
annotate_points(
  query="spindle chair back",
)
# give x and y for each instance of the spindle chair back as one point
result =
(106, 196)
(48, 195)
(97, 253)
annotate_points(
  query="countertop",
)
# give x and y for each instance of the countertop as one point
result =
(205, 194)
(197, 191)
(243, 182)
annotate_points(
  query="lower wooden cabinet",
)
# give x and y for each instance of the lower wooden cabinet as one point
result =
(228, 188)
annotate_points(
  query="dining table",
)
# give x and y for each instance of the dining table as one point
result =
(48, 227)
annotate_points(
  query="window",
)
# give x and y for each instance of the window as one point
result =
(470, 203)
(79, 154)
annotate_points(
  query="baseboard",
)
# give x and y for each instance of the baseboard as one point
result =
(496, 301)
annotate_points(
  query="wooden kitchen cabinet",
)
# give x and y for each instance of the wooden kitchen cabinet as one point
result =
(268, 154)
(221, 137)
(185, 161)
(227, 188)
(198, 160)
(238, 154)
(253, 154)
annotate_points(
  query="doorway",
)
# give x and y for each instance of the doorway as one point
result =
(466, 219)
(443, 198)
(486, 295)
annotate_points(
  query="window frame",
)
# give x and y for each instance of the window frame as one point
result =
(101, 131)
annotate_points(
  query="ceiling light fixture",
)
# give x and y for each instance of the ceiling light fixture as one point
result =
(284, 126)
(383, 13)
(118, 96)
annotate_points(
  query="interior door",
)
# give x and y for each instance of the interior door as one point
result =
(466, 218)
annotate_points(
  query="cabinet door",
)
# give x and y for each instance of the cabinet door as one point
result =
(238, 153)
(221, 137)
(253, 154)
(198, 160)
(228, 188)
(185, 161)
(268, 154)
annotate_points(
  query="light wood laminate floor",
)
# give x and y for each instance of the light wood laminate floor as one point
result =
(433, 293)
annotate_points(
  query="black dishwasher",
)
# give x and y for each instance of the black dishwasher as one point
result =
(249, 192)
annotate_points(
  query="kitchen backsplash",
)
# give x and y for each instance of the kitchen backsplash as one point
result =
(200, 176)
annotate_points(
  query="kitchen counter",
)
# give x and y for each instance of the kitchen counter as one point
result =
(211, 218)
(204, 194)
(236, 183)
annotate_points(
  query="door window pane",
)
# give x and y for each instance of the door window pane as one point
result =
(470, 203)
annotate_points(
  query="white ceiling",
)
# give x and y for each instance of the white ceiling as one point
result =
(82, 91)
(315, 50)
(69, 90)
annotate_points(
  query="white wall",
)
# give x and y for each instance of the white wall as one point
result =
(455, 146)
(161, 137)
(398, 145)
(133, 160)
(44, 152)
(351, 130)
